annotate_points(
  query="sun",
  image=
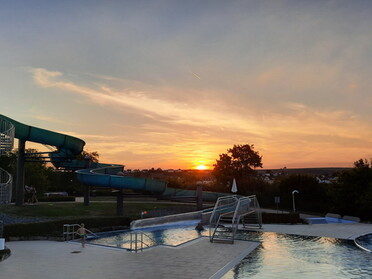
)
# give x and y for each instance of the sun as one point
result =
(201, 167)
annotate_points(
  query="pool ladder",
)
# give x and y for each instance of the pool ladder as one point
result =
(228, 213)
(137, 242)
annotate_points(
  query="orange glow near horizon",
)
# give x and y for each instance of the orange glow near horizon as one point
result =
(201, 167)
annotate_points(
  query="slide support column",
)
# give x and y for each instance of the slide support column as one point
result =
(20, 173)
(119, 203)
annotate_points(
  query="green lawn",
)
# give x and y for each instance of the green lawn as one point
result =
(62, 209)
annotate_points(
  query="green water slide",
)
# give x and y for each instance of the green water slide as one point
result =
(69, 145)
(96, 174)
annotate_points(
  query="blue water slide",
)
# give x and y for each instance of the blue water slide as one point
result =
(109, 176)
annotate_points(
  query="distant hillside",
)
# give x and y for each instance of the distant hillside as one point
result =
(309, 171)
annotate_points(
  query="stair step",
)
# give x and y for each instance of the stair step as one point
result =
(223, 240)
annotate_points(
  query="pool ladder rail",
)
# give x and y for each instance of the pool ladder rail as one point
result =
(69, 231)
(228, 213)
(137, 242)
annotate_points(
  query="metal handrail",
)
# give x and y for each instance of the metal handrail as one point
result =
(134, 242)
(257, 209)
(6, 182)
(224, 206)
(242, 209)
(235, 209)
(7, 131)
(67, 232)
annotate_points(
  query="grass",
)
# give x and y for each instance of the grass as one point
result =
(61, 209)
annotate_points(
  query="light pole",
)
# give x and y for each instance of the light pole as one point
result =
(293, 199)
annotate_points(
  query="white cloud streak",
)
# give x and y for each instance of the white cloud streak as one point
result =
(301, 127)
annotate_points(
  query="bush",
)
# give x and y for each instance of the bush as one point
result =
(56, 199)
(4, 254)
(55, 228)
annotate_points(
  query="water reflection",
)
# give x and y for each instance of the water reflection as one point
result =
(279, 255)
(285, 256)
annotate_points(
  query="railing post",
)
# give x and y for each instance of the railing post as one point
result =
(141, 242)
(131, 240)
(135, 244)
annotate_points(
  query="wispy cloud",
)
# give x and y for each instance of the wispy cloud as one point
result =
(170, 111)
(190, 129)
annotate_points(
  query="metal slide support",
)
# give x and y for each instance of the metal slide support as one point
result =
(119, 203)
(20, 173)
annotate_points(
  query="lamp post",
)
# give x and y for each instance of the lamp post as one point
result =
(293, 199)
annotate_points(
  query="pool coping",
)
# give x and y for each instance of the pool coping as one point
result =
(235, 261)
(199, 259)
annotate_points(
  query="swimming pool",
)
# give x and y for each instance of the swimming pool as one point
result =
(279, 256)
(172, 234)
(285, 256)
(328, 220)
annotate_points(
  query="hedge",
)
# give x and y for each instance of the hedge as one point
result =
(4, 254)
(56, 199)
(55, 228)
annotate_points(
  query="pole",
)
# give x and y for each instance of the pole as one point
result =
(199, 197)
(86, 195)
(87, 188)
(293, 199)
(20, 173)
(119, 203)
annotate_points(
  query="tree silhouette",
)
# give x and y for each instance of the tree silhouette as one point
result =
(239, 162)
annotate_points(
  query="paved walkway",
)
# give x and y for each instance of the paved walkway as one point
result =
(61, 260)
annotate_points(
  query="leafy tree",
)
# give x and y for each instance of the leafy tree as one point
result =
(239, 162)
(312, 195)
(41, 176)
(8, 162)
(94, 156)
(352, 193)
(36, 171)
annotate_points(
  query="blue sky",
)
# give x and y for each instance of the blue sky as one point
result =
(173, 84)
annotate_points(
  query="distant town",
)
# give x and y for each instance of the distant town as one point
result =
(323, 175)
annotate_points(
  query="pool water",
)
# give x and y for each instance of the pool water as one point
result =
(173, 234)
(279, 256)
(328, 220)
(285, 256)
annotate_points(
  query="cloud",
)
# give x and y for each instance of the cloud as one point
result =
(169, 110)
(196, 127)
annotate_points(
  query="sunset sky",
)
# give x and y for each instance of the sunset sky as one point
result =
(173, 84)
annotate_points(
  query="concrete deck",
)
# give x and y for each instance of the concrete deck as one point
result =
(196, 259)
(61, 260)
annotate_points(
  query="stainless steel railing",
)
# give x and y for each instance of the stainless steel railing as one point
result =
(69, 231)
(6, 136)
(233, 210)
(6, 183)
(138, 241)
(224, 207)
(254, 214)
